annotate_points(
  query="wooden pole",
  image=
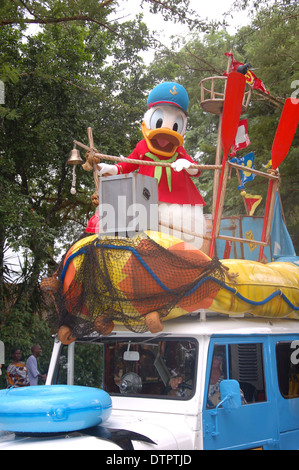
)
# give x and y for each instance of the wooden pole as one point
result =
(270, 176)
(217, 220)
(95, 170)
(217, 162)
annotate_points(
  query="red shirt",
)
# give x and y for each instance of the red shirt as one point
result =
(183, 190)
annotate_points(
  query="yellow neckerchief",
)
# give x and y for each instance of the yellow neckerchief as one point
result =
(158, 169)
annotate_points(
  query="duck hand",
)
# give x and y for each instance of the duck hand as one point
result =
(180, 164)
(105, 169)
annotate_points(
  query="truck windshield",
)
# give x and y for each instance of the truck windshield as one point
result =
(157, 368)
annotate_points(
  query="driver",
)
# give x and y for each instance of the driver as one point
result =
(176, 387)
(174, 384)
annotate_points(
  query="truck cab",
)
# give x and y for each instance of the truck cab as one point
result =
(206, 382)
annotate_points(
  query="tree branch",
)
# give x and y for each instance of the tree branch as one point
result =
(200, 59)
(26, 7)
(11, 21)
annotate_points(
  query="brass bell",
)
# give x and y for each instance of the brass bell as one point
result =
(75, 158)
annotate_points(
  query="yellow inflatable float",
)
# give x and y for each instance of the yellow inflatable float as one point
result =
(264, 290)
(153, 277)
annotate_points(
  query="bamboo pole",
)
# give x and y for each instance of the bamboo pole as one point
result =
(271, 211)
(217, 162)
(255, 172)
(185, 231)
(95, 170)
(242, 240)
(217, 221)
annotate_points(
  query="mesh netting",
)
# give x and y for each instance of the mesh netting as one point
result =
(122, 280)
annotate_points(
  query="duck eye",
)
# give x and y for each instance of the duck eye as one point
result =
(178, 125)
(157, 118)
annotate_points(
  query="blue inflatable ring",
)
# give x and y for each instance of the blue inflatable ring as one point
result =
(53, 408)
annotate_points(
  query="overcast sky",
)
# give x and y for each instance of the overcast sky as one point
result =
(206, 9)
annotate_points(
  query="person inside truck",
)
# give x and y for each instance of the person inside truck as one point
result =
(177, 387)
(179, 359)
(216, 377)
(175, 382)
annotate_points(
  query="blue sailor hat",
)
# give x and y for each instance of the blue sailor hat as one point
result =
(170, 93)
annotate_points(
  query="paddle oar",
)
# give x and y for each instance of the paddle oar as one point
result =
(232, 108)
(285, 131)
(281, 145)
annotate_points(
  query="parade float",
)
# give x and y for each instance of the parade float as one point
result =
(144, 275)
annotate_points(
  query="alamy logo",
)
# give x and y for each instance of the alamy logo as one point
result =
(294, 95)
(2, 353)
(2, 93)
(295, 353)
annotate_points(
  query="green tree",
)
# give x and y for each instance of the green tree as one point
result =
(65, 81)
(20, 12)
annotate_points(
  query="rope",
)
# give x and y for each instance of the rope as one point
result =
(73, 188)
(93, 154)
(251, 302)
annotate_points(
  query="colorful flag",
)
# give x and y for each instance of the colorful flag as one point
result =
(281, 241)
(252, 201)
(242, 138)
(268, 165)
(247, 161)
(251, 78)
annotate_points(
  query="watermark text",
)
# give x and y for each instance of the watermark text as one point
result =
(2, 353)
(2, 92)
(295, 94)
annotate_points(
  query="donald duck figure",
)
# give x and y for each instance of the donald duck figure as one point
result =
(163, 128)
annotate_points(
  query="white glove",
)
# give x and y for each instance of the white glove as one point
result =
(105, 169)
(180, 164)
(183, 164)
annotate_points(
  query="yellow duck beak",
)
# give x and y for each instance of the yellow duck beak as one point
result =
(162, 141)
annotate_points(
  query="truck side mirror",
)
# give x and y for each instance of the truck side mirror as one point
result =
(230, 399)
(230, 394)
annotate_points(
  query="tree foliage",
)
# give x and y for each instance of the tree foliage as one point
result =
(58, 82)
(24, 12)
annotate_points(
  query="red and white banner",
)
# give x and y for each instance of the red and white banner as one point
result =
(242, 138)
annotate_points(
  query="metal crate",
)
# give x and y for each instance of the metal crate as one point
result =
(128, 204)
